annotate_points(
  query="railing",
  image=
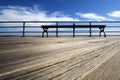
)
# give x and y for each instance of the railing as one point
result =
(27, 28)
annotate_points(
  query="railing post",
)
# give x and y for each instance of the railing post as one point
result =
(73, 29)
(90, 29)
(23, 29)
(57, 29)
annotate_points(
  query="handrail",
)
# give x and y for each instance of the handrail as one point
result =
(60, 21)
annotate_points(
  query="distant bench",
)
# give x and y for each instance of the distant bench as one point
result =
(46, 27)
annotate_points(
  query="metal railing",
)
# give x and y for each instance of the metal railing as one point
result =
(26, 28)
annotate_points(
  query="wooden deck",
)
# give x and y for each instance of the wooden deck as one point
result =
(80, 58)
(109, 70)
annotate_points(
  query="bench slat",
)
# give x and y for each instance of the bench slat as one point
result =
(71, 26)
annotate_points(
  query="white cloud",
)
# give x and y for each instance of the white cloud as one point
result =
(57, 14)
(18, 13)
(31, 14)
(114, 14)
(91, 16)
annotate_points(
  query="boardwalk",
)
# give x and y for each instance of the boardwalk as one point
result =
(64, 58)
(110, 70)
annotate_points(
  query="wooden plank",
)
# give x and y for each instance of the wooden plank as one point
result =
(109, 70)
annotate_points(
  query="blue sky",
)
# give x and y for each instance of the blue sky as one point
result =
(100, 10)
(59, 10)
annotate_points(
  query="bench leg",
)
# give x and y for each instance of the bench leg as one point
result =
(100, 34)
(45, 30)
(102, 30)
(104, 34)
(42, 34)
(47, 34)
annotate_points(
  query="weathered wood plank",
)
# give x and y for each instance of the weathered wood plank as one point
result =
(53, 58)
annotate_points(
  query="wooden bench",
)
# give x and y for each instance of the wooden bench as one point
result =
(46, 27)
